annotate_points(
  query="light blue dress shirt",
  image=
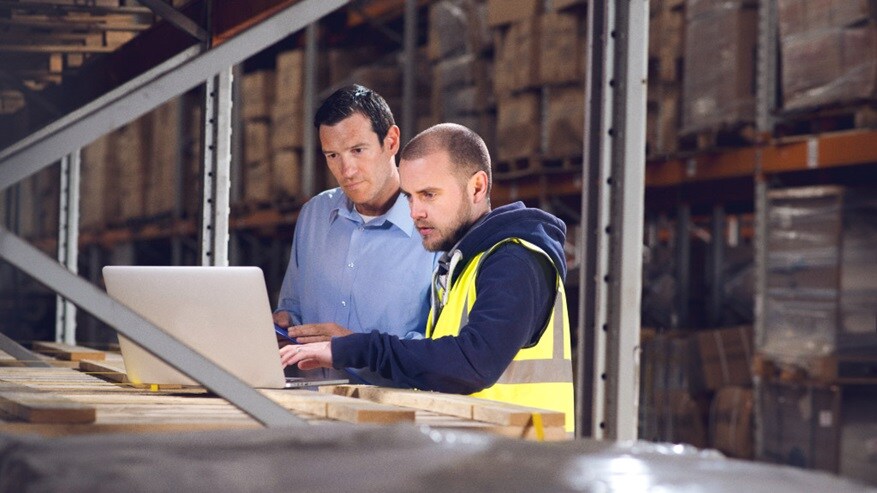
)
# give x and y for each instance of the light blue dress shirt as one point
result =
(362, 276)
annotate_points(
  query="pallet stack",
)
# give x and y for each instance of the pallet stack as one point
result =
(844, 34)
(538, 82)
(664, 105)
(140, 160)
(718, 103)
(257, 101)
(460, 50)
(287, 126)
(817, 348)
(696, 388)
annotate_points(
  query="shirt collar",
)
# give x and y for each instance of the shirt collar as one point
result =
(399, 214)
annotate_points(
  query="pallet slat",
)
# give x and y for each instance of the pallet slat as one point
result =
(36, 406)
(68, 352)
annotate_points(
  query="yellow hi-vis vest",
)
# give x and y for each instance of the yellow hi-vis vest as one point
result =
(539, 376)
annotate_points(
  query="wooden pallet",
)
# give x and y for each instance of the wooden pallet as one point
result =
(832, 369)
(98, 398)
(829, 119)
(515, 168)
(724, 137)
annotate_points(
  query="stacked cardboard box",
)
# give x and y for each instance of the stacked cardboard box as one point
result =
(538, 81)
(140, 161)
(666, 40)
(696, 389)
(125, 171)
(459, 49)
(257, 94)
(93, 184)
(160, 180)
(824, 427)
(821, 278)
(672, 404)
(731, 422)
(842, 36)
(719, 82)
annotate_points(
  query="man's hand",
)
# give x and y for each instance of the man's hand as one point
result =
(307, 356)
(307, 333)
(283, 320)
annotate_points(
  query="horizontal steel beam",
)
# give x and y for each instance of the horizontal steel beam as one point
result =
(150, 90)
(128, 323)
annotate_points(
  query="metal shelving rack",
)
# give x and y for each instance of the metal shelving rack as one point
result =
(613, 207)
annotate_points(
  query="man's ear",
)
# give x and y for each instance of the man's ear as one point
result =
(392, 140)
(478, 187)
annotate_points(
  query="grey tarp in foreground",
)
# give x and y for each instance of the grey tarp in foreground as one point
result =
(333, 458)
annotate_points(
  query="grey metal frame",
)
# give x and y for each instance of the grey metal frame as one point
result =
(144, 93)
(68, 243)
(766, 65)
(216, 175)
(615, 153)
(716, 267)
(177, 18)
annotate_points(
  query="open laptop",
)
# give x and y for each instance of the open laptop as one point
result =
(221, 312)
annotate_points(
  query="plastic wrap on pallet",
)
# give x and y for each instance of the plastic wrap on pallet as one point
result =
(821, 280)
(807, 16)
(846, 72)
(719, 82)
(828, 428)
(457, 27)
(381, 459)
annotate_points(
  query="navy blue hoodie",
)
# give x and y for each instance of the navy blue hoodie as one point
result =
(515, 289)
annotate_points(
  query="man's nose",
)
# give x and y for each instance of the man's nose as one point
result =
(417, 212)
(348, 166)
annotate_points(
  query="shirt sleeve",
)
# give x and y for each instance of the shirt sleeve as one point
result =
(515, 294)
(289, 299)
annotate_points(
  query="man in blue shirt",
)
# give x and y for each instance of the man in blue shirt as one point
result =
(357, 262)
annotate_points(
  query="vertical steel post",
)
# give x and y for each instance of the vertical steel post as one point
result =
(309, 153)
(68, 243)
(409, 72)
(217, 163)
(614, 154)
(717, 262)
(683, 263)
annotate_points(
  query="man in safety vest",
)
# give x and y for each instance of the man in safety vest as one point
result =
(498, 327)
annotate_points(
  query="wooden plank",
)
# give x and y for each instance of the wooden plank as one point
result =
(36, 406)
(369, 412)
(454, 405)
(448, 404)
(511, 415)
(68, 352)
(338, 407)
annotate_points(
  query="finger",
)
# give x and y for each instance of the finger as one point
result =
(308, 364)
(313, 338)
(304, 330)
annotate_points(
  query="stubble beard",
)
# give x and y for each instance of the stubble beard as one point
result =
(460, 227)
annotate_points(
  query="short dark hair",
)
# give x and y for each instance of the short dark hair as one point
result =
(356, 99)
(466, 149)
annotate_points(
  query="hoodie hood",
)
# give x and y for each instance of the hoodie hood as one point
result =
(517, 221)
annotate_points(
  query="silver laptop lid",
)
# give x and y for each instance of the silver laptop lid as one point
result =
(221, 312)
